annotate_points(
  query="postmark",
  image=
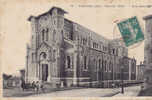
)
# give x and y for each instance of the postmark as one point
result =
(131, 31)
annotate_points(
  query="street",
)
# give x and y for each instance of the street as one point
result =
(76, 92)
(16, 92)
(87, 92)
(94, 92)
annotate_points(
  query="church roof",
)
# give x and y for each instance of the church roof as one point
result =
(94, 36)
(50, 12)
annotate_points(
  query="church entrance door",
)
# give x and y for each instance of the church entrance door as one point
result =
(44, 72)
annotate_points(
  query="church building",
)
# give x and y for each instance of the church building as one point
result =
(62, 52)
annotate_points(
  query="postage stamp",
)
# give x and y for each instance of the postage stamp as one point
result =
(131, 31)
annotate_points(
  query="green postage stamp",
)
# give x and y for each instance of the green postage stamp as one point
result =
(131, 31)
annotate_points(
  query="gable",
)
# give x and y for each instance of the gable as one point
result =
(44, 47)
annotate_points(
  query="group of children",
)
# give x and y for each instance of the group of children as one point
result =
(38, 86)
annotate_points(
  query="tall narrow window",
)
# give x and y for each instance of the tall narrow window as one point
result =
(85, 62)
(54, 33)
(43, 34)
(97, 45)
(71, 36)
(95, 65)
(99, 63)
(68, 62)
(47, 30)
(110, 67)
(105, 66)
(102, 65)
(113, 51)
(32, 57)
(47, 34)
(54, 53)
(93, 45)
(62, 33)
(50, 55)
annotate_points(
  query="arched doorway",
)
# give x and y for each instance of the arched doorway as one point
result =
(44, 72)
(44, 66)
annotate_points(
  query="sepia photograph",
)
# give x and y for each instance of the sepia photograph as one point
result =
(76, 49)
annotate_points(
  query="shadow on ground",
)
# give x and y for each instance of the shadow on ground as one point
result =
(146, 92)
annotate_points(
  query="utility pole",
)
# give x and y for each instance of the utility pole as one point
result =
(122, 82)
(121, 61)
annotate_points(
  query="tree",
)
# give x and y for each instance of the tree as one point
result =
(6, 76)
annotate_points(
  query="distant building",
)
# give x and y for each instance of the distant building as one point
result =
(64, 52)
(10, 81)
(140, 71)
(132, 68)
(129, 70)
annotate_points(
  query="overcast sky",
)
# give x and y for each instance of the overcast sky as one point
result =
(16, 30)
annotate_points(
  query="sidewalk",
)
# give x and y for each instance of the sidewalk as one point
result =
(132, 91)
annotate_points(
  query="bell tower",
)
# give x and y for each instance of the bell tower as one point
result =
(58, 23)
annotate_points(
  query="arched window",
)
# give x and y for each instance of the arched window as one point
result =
(68, 62)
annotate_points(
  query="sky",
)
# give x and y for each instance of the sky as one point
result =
(16, 30)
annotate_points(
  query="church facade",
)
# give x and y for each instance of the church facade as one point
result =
(64, 52)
